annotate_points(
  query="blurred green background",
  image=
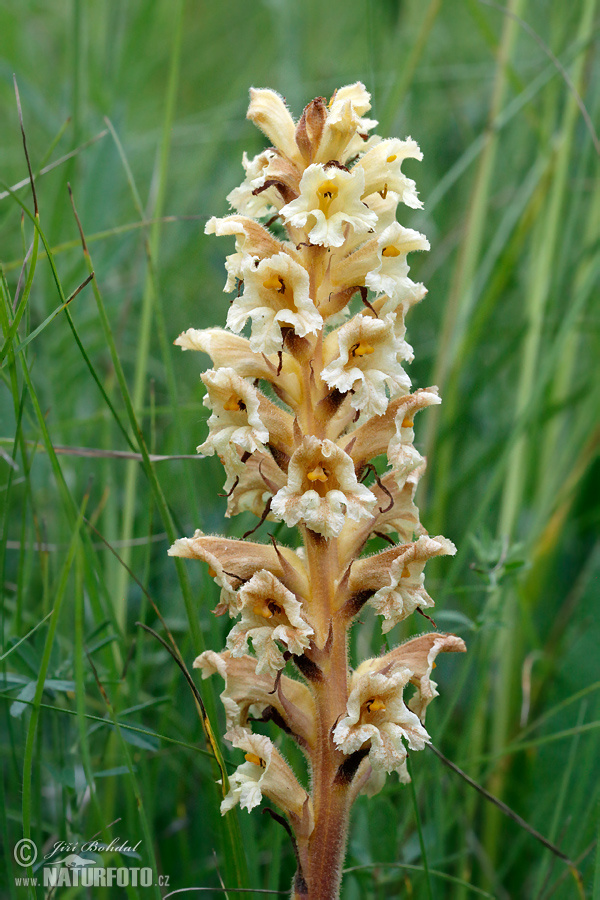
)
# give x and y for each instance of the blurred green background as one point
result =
(145, 102)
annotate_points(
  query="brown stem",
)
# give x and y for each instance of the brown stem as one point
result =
(326, 848)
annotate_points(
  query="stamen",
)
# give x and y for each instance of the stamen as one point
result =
(253, 758)
(390, 251)
(234, 404)
(407, 422)
(263, 611)
(375, 705)
(267, 610)
(405, 572)
(327, 192)
(392, 158)
(274, 282)
(361, 349)
(212, 572)
(318, 474)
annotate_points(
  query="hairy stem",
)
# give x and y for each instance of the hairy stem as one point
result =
(327, 844)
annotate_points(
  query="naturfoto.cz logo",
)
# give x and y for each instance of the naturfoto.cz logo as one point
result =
(74, 870)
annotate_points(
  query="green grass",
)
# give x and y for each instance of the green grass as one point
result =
(97, 723)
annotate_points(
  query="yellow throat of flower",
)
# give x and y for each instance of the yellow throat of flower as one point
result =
(327, 192)
(318, 474)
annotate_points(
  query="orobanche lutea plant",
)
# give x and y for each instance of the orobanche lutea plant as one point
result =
(300, 408)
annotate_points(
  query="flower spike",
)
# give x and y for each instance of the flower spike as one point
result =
(308, 397)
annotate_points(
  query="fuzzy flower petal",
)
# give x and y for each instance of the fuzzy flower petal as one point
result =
(322, 489)
(235, 421)
(329, 202)
(405, 587)
(271, 615)
(193, 547)
(346, 127)
(377, 716)
(239, 560)
(382, 169)
(265, 772)
(276, 294)
(250, 694)
(268, 111)
(403, 456)
(391, 274)
(251, 239)
(368, 350)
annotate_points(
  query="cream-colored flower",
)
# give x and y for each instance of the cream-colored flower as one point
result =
(276, 294)
(367, 361)
(239, 560)
(378, 717)
(251, 239)
(265, 772)
(243, 199)
(322, 489)
(382, 169)
(248, 694)
(271, 615)
(401, 452)
(235, 421)
(228, 582)
(395, 513)
(418, 656)
(359, 97)
(391, 275)
(231, 350)
(329, 204)
(268, 111)
(346, 127)
(405, 588)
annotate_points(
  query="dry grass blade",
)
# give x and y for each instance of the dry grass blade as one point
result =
(514, 816)
(98, 453)
(31, 180)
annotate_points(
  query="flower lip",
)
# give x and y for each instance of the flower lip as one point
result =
(263, 772)
(276, 296)
(322, 489)
(270, 615)
(368, 351)
(378, 718)
(329, 202)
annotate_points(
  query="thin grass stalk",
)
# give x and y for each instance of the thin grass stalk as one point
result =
(28, 756)
(149, 299)
(553, 457)
(459, 303)
(559, 812)
(151, 248)
(80, 688)
(506, 651)
(406, 73)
